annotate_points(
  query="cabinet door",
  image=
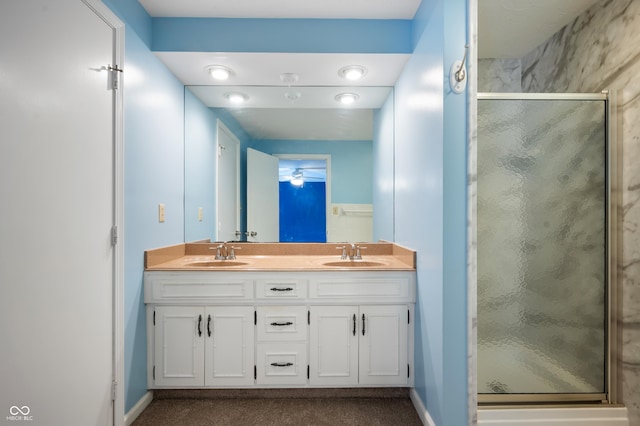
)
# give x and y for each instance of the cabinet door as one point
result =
(334, 345)
(179, 346)
(383, 345)
(229, 346)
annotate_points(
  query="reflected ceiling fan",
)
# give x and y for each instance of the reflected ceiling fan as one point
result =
(297, 176)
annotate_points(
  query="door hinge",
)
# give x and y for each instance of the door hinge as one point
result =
(115, 78)
(114, 390)
(114, 235)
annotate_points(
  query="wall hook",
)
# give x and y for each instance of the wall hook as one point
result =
(458, 73)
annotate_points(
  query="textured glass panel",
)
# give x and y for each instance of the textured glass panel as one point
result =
(541, 246)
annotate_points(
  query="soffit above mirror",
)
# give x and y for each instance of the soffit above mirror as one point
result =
(326, 9)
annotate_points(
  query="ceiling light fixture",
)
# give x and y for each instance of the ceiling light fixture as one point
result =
(297, 179)
(289, 78)
(236, 97)
(347, 98)
(352, 72)
(219, 72)
(292, 96)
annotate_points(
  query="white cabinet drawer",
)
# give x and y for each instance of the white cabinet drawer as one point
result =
(281, 364)
(359, 289)
(281, 288)
(282, 323)
(196, 288)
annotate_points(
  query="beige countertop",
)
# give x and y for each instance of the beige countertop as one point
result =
(280, 257)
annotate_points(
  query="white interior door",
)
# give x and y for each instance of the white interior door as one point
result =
(228, 185)
(57, 162)
(263, 197)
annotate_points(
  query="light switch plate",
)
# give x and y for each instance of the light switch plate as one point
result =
(160, 213)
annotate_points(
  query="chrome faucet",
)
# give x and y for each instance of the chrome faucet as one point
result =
(354, 252)
(225, 252)
(221, 251)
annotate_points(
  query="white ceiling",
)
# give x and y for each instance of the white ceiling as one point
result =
(507, 29)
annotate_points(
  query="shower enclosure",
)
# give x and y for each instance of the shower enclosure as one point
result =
(546, 248)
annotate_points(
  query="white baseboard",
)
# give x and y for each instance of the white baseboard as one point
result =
(137, 409)
(421, 409)
(591, 416)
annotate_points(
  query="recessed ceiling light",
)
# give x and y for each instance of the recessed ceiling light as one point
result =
(289, 78)
(352, 72)
(219, 72)
(292, 96)
(347, 98)
(236, 97)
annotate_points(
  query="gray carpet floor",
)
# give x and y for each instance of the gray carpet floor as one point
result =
(284, 409)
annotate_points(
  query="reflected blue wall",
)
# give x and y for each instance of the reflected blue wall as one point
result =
(303, 214)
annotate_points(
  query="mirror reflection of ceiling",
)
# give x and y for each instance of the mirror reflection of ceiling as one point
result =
(309, 169)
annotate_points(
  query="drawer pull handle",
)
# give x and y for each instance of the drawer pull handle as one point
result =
(282, 324)
(354, 324)
(277, 364)
(199, 325)
(363, 324)
(209, 325)
(281, 289)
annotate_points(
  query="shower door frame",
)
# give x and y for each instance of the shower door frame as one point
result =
(612, 249)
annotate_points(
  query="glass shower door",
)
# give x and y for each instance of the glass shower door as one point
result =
(542, 247)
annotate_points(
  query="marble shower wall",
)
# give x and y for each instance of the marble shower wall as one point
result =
(600, 50)
(499, 75)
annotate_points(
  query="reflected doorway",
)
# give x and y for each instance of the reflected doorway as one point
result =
(304, 193)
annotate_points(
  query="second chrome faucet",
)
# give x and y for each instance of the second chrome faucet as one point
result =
(351, 252)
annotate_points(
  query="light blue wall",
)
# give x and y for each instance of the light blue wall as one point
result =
(455, 222)
(430, 205)
(351, 165)
(153, 174)
(200, 141)
(383, 171)
(200, 130)
(282, 35)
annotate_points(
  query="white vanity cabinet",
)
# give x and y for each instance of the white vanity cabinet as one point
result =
(203, 346)
(359, 345)
(279, 328)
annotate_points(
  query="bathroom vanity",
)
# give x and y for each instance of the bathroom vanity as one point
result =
(279, 315)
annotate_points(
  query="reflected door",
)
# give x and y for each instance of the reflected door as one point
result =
(228, 186)
(262, 197)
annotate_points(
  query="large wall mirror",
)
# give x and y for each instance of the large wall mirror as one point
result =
(306, 162)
